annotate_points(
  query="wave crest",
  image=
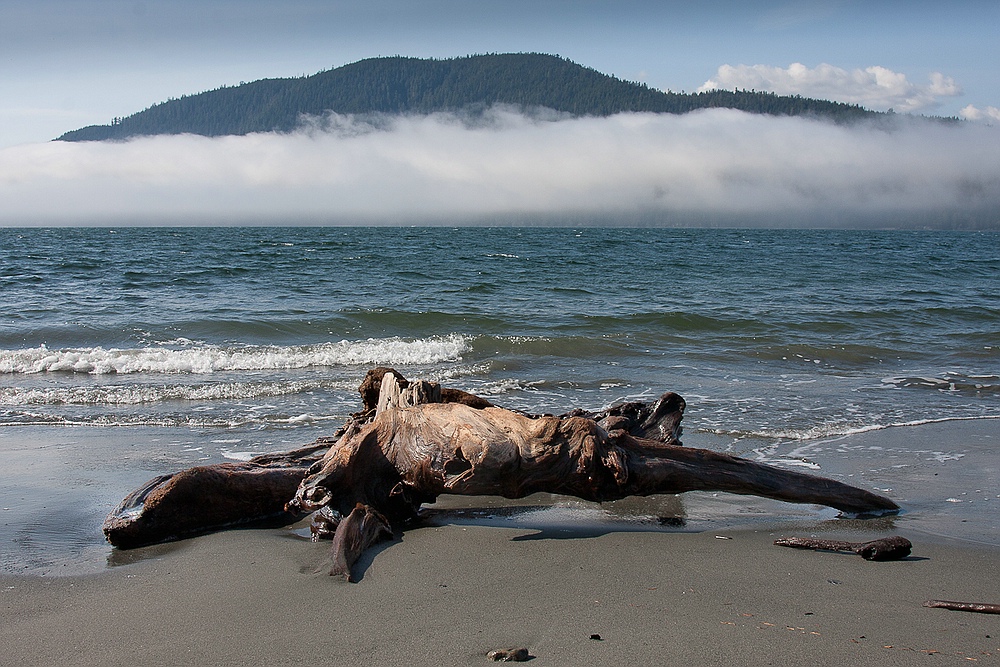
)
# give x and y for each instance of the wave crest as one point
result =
(212, 358)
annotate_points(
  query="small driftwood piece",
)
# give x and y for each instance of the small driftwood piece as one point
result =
(886, 548)
(978, 607)
(363, 527)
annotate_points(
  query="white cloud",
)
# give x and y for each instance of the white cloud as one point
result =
(873, 87)
(716, 166)
(989, 114)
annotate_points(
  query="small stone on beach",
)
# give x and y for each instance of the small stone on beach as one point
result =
(508, 655)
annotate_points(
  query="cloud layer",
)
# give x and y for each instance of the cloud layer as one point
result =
(711, 167)
(873, 87)
(986, 115)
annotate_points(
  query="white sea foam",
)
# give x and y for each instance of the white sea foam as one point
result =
(143, 394)
(942, 457)
(835, 430)
(234, 455)
(212, 358)
(502, 386)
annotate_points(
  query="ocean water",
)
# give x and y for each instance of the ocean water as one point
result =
(228, 342)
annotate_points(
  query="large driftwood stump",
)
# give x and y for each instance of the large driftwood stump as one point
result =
(416, 449)
(414, 441)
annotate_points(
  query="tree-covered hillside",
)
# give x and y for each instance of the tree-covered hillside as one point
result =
(413, 85)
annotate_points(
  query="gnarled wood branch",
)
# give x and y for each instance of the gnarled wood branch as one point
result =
(414, 441)
(977, 607)
(207, 498)
(413, 451)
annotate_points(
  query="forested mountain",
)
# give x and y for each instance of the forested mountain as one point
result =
(413, 85)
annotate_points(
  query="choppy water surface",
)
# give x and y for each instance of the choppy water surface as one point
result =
(784, 334)
(253, 338)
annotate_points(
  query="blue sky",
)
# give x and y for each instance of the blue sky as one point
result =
(69, 63)
(65, 64)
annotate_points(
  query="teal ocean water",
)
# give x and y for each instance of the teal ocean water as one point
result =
(255, 339)
(784, 334)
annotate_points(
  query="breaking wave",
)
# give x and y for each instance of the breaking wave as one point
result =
(204, 358)
(135, 394)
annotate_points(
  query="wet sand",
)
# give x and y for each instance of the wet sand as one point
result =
(446, 595)
(545, 579)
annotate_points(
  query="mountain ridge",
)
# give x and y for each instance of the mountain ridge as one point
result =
(399, 85)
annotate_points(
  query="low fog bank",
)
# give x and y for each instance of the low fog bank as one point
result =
(714, 167)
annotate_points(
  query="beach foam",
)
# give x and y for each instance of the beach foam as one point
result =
(207, 358)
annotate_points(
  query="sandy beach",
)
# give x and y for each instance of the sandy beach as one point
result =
(713, 591)
(449, 594)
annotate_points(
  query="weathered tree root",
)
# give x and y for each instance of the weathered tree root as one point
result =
(225, 495)
(886, 548)
(416, 448)
(363, 528)
(978, 607)
(414, 441)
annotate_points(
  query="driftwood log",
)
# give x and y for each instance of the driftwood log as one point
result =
(207, 498)
(414, 441)
(977, 607)
(885, 548)
(215, 497)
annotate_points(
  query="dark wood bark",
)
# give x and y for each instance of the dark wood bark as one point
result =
(886, 548)
(207, 498)
(363, 527)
